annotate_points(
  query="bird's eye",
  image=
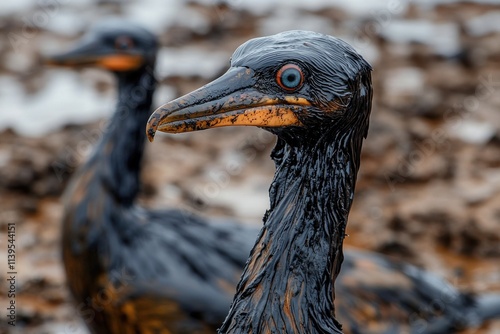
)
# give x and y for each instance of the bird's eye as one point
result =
(290, 77)
(124, 43)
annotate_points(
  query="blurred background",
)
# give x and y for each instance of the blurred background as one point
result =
(429, 184)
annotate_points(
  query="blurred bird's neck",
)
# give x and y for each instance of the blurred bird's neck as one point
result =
(119, 155)
(288, 283)
(105, 185)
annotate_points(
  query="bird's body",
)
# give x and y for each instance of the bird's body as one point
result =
(130, 269)
(380, 295)
(314, 92)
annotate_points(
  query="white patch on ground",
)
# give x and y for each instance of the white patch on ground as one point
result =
(245, 197)
(156, 15)
(64, 99)
(472, 132)
(484, 24)
(197, 22)
(432, 3)
(74, 327)
(15, 7)
(353, 7)
(163, 94)
(191, 62)
(38, 12)
(367, 49)
(67, 22)
(404, 81)
(289, 19)
(443, 38)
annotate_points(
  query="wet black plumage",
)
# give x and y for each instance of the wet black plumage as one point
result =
(377, 294)
(130, 269)
(314, 92)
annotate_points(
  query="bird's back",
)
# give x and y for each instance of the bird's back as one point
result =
(160, 271)
(377, 294)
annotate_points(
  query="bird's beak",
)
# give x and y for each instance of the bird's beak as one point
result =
(90, 52)
(230, 100)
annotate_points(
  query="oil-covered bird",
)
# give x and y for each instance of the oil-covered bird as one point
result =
(314, 92)
(130, 269)
(130, 51)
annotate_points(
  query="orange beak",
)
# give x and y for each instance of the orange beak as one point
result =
(91, 53)
(231, 100)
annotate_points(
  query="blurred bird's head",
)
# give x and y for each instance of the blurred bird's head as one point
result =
(115, 45)
(294, 84)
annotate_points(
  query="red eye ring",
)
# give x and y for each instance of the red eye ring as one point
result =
(290, 77)
(124, 43)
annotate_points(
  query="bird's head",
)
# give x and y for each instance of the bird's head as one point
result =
(115, 45)
(285, 83)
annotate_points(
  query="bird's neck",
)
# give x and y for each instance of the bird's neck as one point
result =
(117, 160)
(288, 283)
(102, 190)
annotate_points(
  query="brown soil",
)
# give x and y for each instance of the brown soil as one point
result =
(426, 193)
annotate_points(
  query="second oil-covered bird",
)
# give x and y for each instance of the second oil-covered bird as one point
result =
(131, 269)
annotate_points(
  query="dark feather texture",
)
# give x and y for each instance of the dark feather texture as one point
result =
(287, 285)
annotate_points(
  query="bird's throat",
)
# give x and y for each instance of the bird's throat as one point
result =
(118, 156)
(288, 283)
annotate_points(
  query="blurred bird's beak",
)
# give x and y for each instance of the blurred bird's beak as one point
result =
(231, 100)
(91, 52)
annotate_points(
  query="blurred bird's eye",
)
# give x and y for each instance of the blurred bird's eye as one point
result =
(124, 43)
(290, 77)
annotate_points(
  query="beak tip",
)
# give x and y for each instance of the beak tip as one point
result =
(151, 128)
(151, 134)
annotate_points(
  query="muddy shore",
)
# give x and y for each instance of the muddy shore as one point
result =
(429, 184)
